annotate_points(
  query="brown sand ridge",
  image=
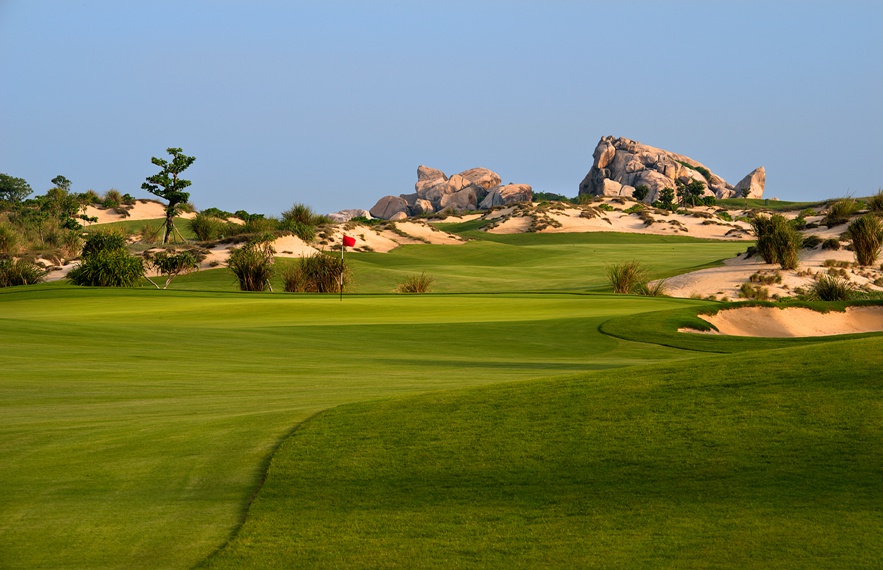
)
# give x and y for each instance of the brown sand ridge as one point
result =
(790, 322)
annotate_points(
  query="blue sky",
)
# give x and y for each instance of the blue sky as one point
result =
(335, 104)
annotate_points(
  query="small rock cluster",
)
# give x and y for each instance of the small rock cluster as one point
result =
(620, 165)
(473, 189)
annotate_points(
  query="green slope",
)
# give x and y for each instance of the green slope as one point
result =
(761, 460)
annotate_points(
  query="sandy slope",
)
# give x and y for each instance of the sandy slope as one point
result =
(795, 321)
(141, 210)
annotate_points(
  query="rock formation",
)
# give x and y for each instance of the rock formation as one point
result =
(621, 164)
(347, 215)
(473, 189)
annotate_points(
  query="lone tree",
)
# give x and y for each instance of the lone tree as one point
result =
(167, 185)
(13, 189)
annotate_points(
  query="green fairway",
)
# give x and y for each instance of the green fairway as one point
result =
(135, 423)
(517, 262)
(765, 461)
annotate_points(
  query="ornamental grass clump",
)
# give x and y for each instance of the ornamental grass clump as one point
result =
(252, 264)
(318, 273)
(777, 240)
(830, 288)
(19, 272)
(416, 284)
(867, 234)
(840, 211)
(626, 277)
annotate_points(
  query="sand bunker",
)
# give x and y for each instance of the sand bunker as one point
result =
(789, 322)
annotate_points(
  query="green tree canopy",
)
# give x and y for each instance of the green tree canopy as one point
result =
(167, 185)
(13, 189)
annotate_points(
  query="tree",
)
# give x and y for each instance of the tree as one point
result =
(695, 189)
(667, 198)
(62, 182)
(745, 192)
(13, 189)
(641, 191)
(168, 186)
(173, 264)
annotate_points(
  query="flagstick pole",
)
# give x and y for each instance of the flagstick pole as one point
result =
(342, 250)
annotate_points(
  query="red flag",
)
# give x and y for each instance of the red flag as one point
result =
(349, 241)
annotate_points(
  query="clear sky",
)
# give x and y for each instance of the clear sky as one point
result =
(335, 104)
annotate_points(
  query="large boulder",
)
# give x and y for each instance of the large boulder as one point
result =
(388, 206)
(465, 199)
(482, 177)
(620, 164)
(754, 181)
(516, 193)
(428, 177)
(347, 215)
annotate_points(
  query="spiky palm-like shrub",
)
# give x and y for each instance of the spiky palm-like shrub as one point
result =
(830, 288)
(416, 284)
(19, 272)
(318, 273)
(106, 263)
(253, 264)
(626, 277)
(867, 235)
(108, 268)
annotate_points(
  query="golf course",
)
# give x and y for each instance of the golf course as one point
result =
(520, 415)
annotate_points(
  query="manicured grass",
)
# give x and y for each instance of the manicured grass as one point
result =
(762, 460)
(519, 262)
(134, 424)
(134, 226)
(768, 204)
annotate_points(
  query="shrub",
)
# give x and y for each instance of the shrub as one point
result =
(867, 234)
(70, 243)
(416, 284)
(112, 198)
(807, 212)
(304, 231)
(150, 233)
(626, 277)
(652, 288)
(641, 191)
(777, 241)
(258, 224)
(9, 239)
(831, 243)
(725, 216)
(253, 264)
(875, 204)
(757, 293)
(106, 263)
(605, 206)
(319, 273)
(809, 242)
(19, 272)
(103, 241)
(205, 226)
(829, 288)
(840, 210)
(172, 264)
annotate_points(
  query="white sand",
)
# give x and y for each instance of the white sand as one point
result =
(790, 322)
(141, 210)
